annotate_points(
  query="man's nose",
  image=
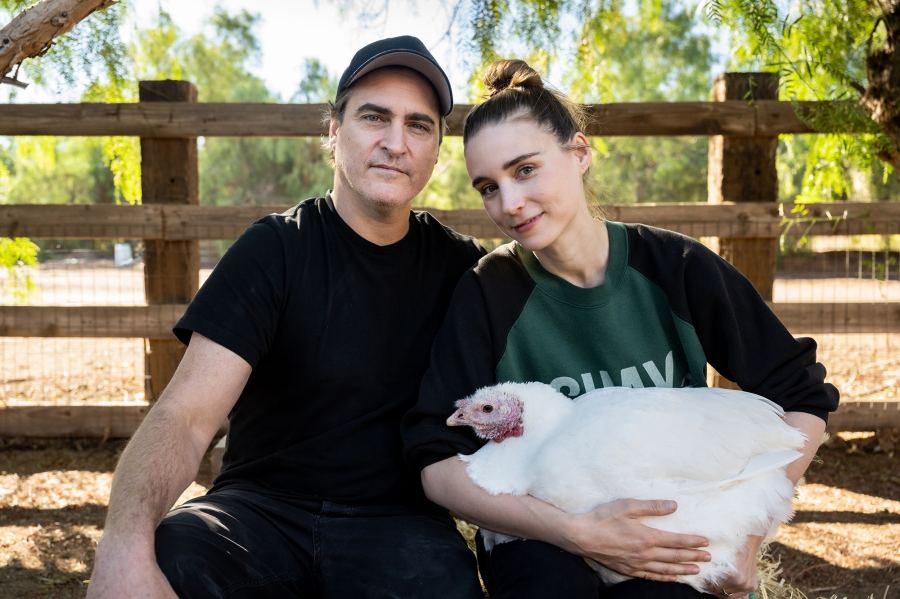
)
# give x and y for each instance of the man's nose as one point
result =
(394, 138)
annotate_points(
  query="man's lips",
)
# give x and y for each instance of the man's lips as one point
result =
(528, 224)
(388, 167)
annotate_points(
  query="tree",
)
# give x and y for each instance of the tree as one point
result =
(32, 32)
(222, 62)
(829, 50)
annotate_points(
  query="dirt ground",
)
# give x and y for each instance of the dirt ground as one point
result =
(844, 540)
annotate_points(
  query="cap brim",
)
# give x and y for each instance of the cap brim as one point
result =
(418, 63)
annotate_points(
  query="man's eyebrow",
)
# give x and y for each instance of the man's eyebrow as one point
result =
(421, 117)
(369, 107)
(413, 116)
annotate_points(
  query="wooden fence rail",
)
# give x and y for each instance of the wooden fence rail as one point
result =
(734, 118)
(185, 222)
(120, 420)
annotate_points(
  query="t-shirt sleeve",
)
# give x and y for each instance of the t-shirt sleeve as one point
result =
(239, 305)
(747, 343)
(461, 362)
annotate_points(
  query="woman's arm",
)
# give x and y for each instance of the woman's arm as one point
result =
(745, 579)
(611, 534)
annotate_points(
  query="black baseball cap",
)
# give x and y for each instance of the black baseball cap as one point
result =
(404, 51)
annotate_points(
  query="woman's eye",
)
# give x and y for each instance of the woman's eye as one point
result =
(487, 190)
(526, 170)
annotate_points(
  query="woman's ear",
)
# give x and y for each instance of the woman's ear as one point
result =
(581, 147)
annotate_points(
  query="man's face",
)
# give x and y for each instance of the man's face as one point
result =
(387, 145)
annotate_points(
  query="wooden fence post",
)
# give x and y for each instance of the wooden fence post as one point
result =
(742, 169)
(169, 175)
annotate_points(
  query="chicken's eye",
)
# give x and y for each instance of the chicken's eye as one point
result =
(487, 408)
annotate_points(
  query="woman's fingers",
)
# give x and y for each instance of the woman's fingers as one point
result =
(637, 508)
(677, 556)
(676, 540)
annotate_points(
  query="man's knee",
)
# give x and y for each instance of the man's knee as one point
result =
(187, 554)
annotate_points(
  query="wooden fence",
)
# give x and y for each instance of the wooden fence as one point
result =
(743, 124)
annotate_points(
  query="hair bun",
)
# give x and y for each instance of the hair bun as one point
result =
(506, 74)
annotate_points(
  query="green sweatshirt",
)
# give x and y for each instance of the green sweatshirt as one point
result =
(667, 307)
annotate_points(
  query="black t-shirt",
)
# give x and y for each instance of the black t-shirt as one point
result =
(338, 331)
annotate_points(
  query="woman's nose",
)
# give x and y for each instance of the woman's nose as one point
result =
(511, 201)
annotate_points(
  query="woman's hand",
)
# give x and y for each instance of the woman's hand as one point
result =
(745, 579)
(612, 535)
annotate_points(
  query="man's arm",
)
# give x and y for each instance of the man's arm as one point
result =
(160, 461)
(610, 534)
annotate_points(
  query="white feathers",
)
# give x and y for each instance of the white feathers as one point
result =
(719, 454)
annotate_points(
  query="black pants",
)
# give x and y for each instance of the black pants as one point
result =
(235, 543)
(536, 570)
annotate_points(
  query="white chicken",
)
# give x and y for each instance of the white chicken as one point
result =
(720, 454)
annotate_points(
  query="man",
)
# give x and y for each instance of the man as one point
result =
(311, 335)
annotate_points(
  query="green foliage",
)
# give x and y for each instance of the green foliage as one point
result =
(819, 49)
(221, 61)
(649, 49)
(17, 255)
(616, 52)
(53, 170)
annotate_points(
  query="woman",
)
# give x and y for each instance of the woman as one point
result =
(579, 303)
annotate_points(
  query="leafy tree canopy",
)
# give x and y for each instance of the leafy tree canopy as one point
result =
(221, 61)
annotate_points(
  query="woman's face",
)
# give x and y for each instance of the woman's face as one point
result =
(531, 185)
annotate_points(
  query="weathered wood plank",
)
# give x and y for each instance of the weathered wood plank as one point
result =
(181, 119)
(81, 221)
(742, 170)
(854, 317)
(97, 421)
(865, 416)
(169, 177)
(120, 420)
(149, 322)
(109, 420)
(752, 219)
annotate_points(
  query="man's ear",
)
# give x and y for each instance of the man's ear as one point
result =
(333, 126)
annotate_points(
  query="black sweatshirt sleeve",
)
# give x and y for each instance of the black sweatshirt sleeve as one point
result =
(745, 342)
(462, 361)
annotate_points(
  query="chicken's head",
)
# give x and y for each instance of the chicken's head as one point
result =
(494, 414)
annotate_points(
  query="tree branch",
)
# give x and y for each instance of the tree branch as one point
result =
(31, 32)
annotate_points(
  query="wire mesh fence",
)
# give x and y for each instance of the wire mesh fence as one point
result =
(88, 357)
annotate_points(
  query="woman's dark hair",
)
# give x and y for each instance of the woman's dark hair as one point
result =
(515, 89)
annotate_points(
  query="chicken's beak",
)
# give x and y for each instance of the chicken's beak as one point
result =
(457, 418)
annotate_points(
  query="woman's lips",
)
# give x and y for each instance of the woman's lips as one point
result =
(528, 224)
